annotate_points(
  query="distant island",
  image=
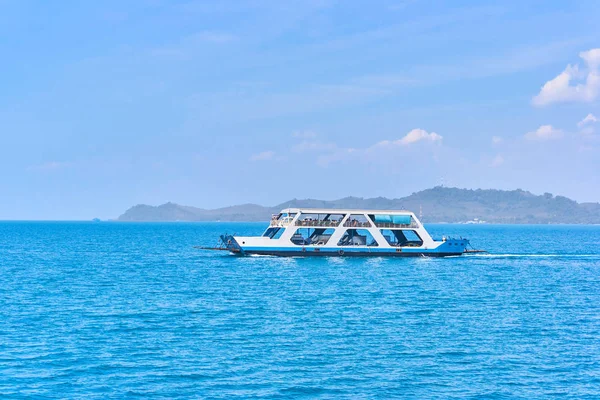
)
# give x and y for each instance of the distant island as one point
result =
(439, 204)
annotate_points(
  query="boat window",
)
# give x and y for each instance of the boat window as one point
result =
(357, 237)
(273, 233)
(393, 220)
(319, 220)
(357, 220)
(311, 236)
(282, 216)
(397, 237)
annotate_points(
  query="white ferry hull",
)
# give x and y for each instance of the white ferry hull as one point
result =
(450, 247)
(344, 233)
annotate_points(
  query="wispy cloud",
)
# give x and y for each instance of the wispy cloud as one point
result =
(589, 119)
(430, 23)
(587, 126)
(497, 140)
(334, 153)
(313, 145)
(544, 132)
(367, 88)
(309, 99)
(189, 44)
(338, 154)
(564, 88)
(263, 156)
(304, 134)
(497, 161)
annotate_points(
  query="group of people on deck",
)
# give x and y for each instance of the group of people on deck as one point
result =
(351, 222)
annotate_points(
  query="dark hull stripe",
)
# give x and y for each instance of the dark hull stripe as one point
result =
(346, 254)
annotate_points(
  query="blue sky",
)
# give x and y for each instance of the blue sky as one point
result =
(108, 104)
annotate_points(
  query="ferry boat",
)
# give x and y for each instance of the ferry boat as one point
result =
(333, 232)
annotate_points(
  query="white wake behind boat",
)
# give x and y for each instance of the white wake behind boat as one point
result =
(333, 232)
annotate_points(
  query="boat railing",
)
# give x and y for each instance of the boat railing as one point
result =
(357, 224)
(333, 223)
(392, 225)
(315, 222)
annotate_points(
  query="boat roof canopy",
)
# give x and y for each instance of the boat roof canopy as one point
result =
(341, 211)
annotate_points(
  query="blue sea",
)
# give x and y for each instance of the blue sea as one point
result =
(119, 310)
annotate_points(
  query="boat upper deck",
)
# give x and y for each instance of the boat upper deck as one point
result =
(343, 211)
(332, 218)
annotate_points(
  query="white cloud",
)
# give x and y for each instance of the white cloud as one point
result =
(497, 140)
(589, 119)
(414, 136)
(497, 161)
(560, 89)
(544, 132)
(417, 135)
(264, 156)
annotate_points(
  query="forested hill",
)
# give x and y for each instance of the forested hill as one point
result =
(439, 204)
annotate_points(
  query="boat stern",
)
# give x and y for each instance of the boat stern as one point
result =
(452, 246)
(231, 244)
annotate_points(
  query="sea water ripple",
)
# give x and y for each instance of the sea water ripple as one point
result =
(113, 310)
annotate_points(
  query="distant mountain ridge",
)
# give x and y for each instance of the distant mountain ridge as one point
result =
(439, 204)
